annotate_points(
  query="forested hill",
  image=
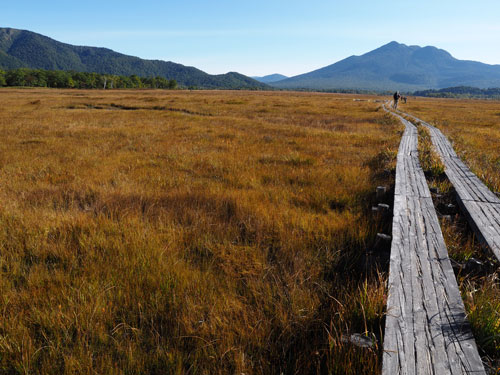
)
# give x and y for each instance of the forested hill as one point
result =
(25, 49)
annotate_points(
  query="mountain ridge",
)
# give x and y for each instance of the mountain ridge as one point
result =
(26, 49)
(393, 66)
(396, 66)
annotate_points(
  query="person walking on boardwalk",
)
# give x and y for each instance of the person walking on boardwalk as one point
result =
(397, 96)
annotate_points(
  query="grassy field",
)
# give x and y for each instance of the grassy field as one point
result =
(474, 128)
(190, 232)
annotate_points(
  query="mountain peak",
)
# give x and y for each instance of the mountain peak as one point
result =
(394, 44)
(7, 36)
(391, 48)
(8, 31)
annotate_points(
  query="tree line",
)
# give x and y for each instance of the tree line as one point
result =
(461, 92)
(26, 77)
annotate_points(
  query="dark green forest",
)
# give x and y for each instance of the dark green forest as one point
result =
(461, 92)
(24, 77)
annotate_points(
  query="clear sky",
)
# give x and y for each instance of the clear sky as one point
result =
(257, 37)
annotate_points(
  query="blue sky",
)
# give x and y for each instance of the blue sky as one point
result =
(258, 37)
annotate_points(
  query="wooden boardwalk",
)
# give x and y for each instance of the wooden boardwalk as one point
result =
(426, 327)
(479, 204)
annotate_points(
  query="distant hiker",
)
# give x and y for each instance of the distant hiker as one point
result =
(397, 96)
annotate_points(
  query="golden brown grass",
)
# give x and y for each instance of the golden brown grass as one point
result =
(188, 232)
(480, 292)
(474, 128)
(429, 158)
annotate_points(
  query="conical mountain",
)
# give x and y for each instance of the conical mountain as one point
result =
(396, 66)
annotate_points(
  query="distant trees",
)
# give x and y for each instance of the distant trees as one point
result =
(461, 92)
(39, 78)
(60, 79)
(16, 77)
(81, 80)
(159, 83)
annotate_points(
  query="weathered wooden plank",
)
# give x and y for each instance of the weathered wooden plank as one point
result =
(481, 205)
(426, 328)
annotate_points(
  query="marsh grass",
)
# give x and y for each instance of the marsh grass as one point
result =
(189, 232)
(429, 159)
(473, 127)
(480, 291)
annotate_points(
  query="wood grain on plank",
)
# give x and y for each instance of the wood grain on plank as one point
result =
(426, 327)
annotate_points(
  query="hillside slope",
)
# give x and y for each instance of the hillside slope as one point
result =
(20, 48)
